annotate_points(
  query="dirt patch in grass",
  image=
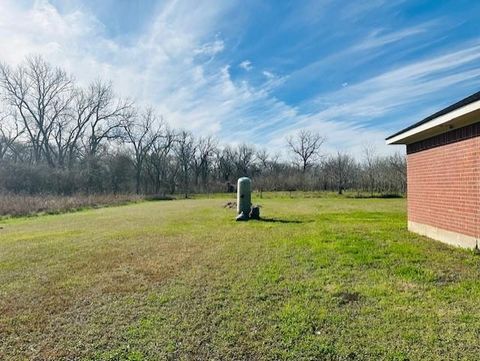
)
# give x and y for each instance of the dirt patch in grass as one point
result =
(230, 205)
(346, 297)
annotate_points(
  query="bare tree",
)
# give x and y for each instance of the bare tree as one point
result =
(204, 151)
(264, 162)
(398, 163)
(226, 163)
(270, 170)
(244, 160)
(142, 133)
(10, 131)
(160, 164)
(370, 167)
(263, 156)
(185, 152)
(81, 113)
(40, 95)
(341, 168)
(305, 146)
(106, 115)
(274, 163)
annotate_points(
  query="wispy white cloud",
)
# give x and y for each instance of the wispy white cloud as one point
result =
(364, 49)
(345, 115)
(41, 29)
(380, 38)
(380, 94)
(268, 74)
(211, 48)
(177, 65)
(359, 9)
(246, 65)
(168, 66)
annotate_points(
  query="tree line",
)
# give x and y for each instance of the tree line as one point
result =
(58, 137)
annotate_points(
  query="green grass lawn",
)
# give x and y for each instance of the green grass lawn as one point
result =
(322, 278)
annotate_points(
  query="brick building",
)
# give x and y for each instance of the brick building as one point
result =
(443, 165)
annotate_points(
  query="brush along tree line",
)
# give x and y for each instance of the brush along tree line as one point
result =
(58, 137)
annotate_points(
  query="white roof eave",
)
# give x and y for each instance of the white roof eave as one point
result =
(436, 122)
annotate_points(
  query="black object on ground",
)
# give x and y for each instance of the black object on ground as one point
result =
(255, 212)
(242, 217)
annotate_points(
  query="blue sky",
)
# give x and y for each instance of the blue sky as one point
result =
(258, 71)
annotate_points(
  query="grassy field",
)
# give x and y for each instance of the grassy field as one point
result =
(319, 279)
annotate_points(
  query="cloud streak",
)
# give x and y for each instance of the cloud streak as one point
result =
(246, 65)
(183, 64)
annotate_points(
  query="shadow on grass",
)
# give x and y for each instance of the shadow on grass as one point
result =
(276, 220)
(159, 197)
(375, 196)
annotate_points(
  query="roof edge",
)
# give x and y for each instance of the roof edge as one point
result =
(460, 104)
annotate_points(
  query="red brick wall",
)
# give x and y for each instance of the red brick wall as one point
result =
(444, 185)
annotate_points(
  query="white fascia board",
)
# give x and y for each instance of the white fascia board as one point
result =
(442, 119)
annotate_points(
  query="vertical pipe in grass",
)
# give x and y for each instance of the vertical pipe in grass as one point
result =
(244, 195)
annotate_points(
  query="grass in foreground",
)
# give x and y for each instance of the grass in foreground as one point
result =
(322, 278)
